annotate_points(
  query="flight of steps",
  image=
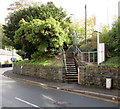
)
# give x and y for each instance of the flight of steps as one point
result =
(71, 75)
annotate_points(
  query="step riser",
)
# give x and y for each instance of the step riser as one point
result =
(71, 70)
(72, 74)
(71, 78)
(70, 63)
(71, 66)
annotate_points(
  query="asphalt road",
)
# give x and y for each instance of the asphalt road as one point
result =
(19, 94)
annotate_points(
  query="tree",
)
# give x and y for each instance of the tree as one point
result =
(4, 41)
(79, 27)
(20, 4)
(112, 39)
(46, 37)
(42, 12)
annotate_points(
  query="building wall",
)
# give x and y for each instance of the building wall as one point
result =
(5, 59)
(5, 56)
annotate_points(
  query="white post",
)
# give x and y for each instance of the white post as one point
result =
(100, 51)
(98, 48)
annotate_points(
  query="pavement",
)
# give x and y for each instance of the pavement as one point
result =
(72, 87)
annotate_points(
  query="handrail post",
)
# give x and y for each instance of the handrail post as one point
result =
(64, 61)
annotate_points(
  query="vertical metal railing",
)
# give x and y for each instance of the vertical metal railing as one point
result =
(90, 57)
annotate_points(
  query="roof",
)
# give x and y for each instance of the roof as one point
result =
(8, 53)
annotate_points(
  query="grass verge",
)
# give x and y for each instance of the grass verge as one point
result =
(52, 61)
(113, 62)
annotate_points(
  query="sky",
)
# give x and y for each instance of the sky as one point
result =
(104, 10)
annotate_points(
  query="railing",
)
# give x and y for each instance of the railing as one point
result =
(64, 60)
(77, 49)
(90, 57)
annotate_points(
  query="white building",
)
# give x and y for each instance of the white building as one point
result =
(5, 56)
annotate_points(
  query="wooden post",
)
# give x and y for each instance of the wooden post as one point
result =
(85, 24)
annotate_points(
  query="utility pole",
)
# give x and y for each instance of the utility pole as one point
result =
(85, 24)
(108, 13)
(1, 35)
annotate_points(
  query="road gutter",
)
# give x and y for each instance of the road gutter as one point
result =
(104, 97)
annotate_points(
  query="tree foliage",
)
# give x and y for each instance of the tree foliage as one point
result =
(20, 4)
(42, 12)
(4, 41)
(112, 39)
(79, 27)
(26, 38)
(46, 37)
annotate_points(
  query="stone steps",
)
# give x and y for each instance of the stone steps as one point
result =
(71, 74)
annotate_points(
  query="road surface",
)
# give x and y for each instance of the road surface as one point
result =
(19, 94)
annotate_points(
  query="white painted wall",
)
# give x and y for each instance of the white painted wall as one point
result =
(5, 56)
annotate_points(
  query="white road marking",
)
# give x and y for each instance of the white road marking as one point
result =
(49, 98)
(7, 81)
(26, 102)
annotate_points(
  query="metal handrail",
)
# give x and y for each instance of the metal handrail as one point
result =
(78, 49)
(64, 60)
(90, 52)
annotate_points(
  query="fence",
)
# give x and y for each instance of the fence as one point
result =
(90, 57)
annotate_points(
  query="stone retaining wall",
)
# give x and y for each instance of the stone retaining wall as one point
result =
(54, 73)
(96, 76)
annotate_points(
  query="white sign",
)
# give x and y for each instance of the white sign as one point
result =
(119, 9)
(101, 52)
(108, 83)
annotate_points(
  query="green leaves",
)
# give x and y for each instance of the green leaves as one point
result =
(47, 36)
(112, 39)
(79, 28)
(29, 27)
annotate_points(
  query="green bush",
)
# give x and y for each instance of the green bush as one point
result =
(114, 62)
